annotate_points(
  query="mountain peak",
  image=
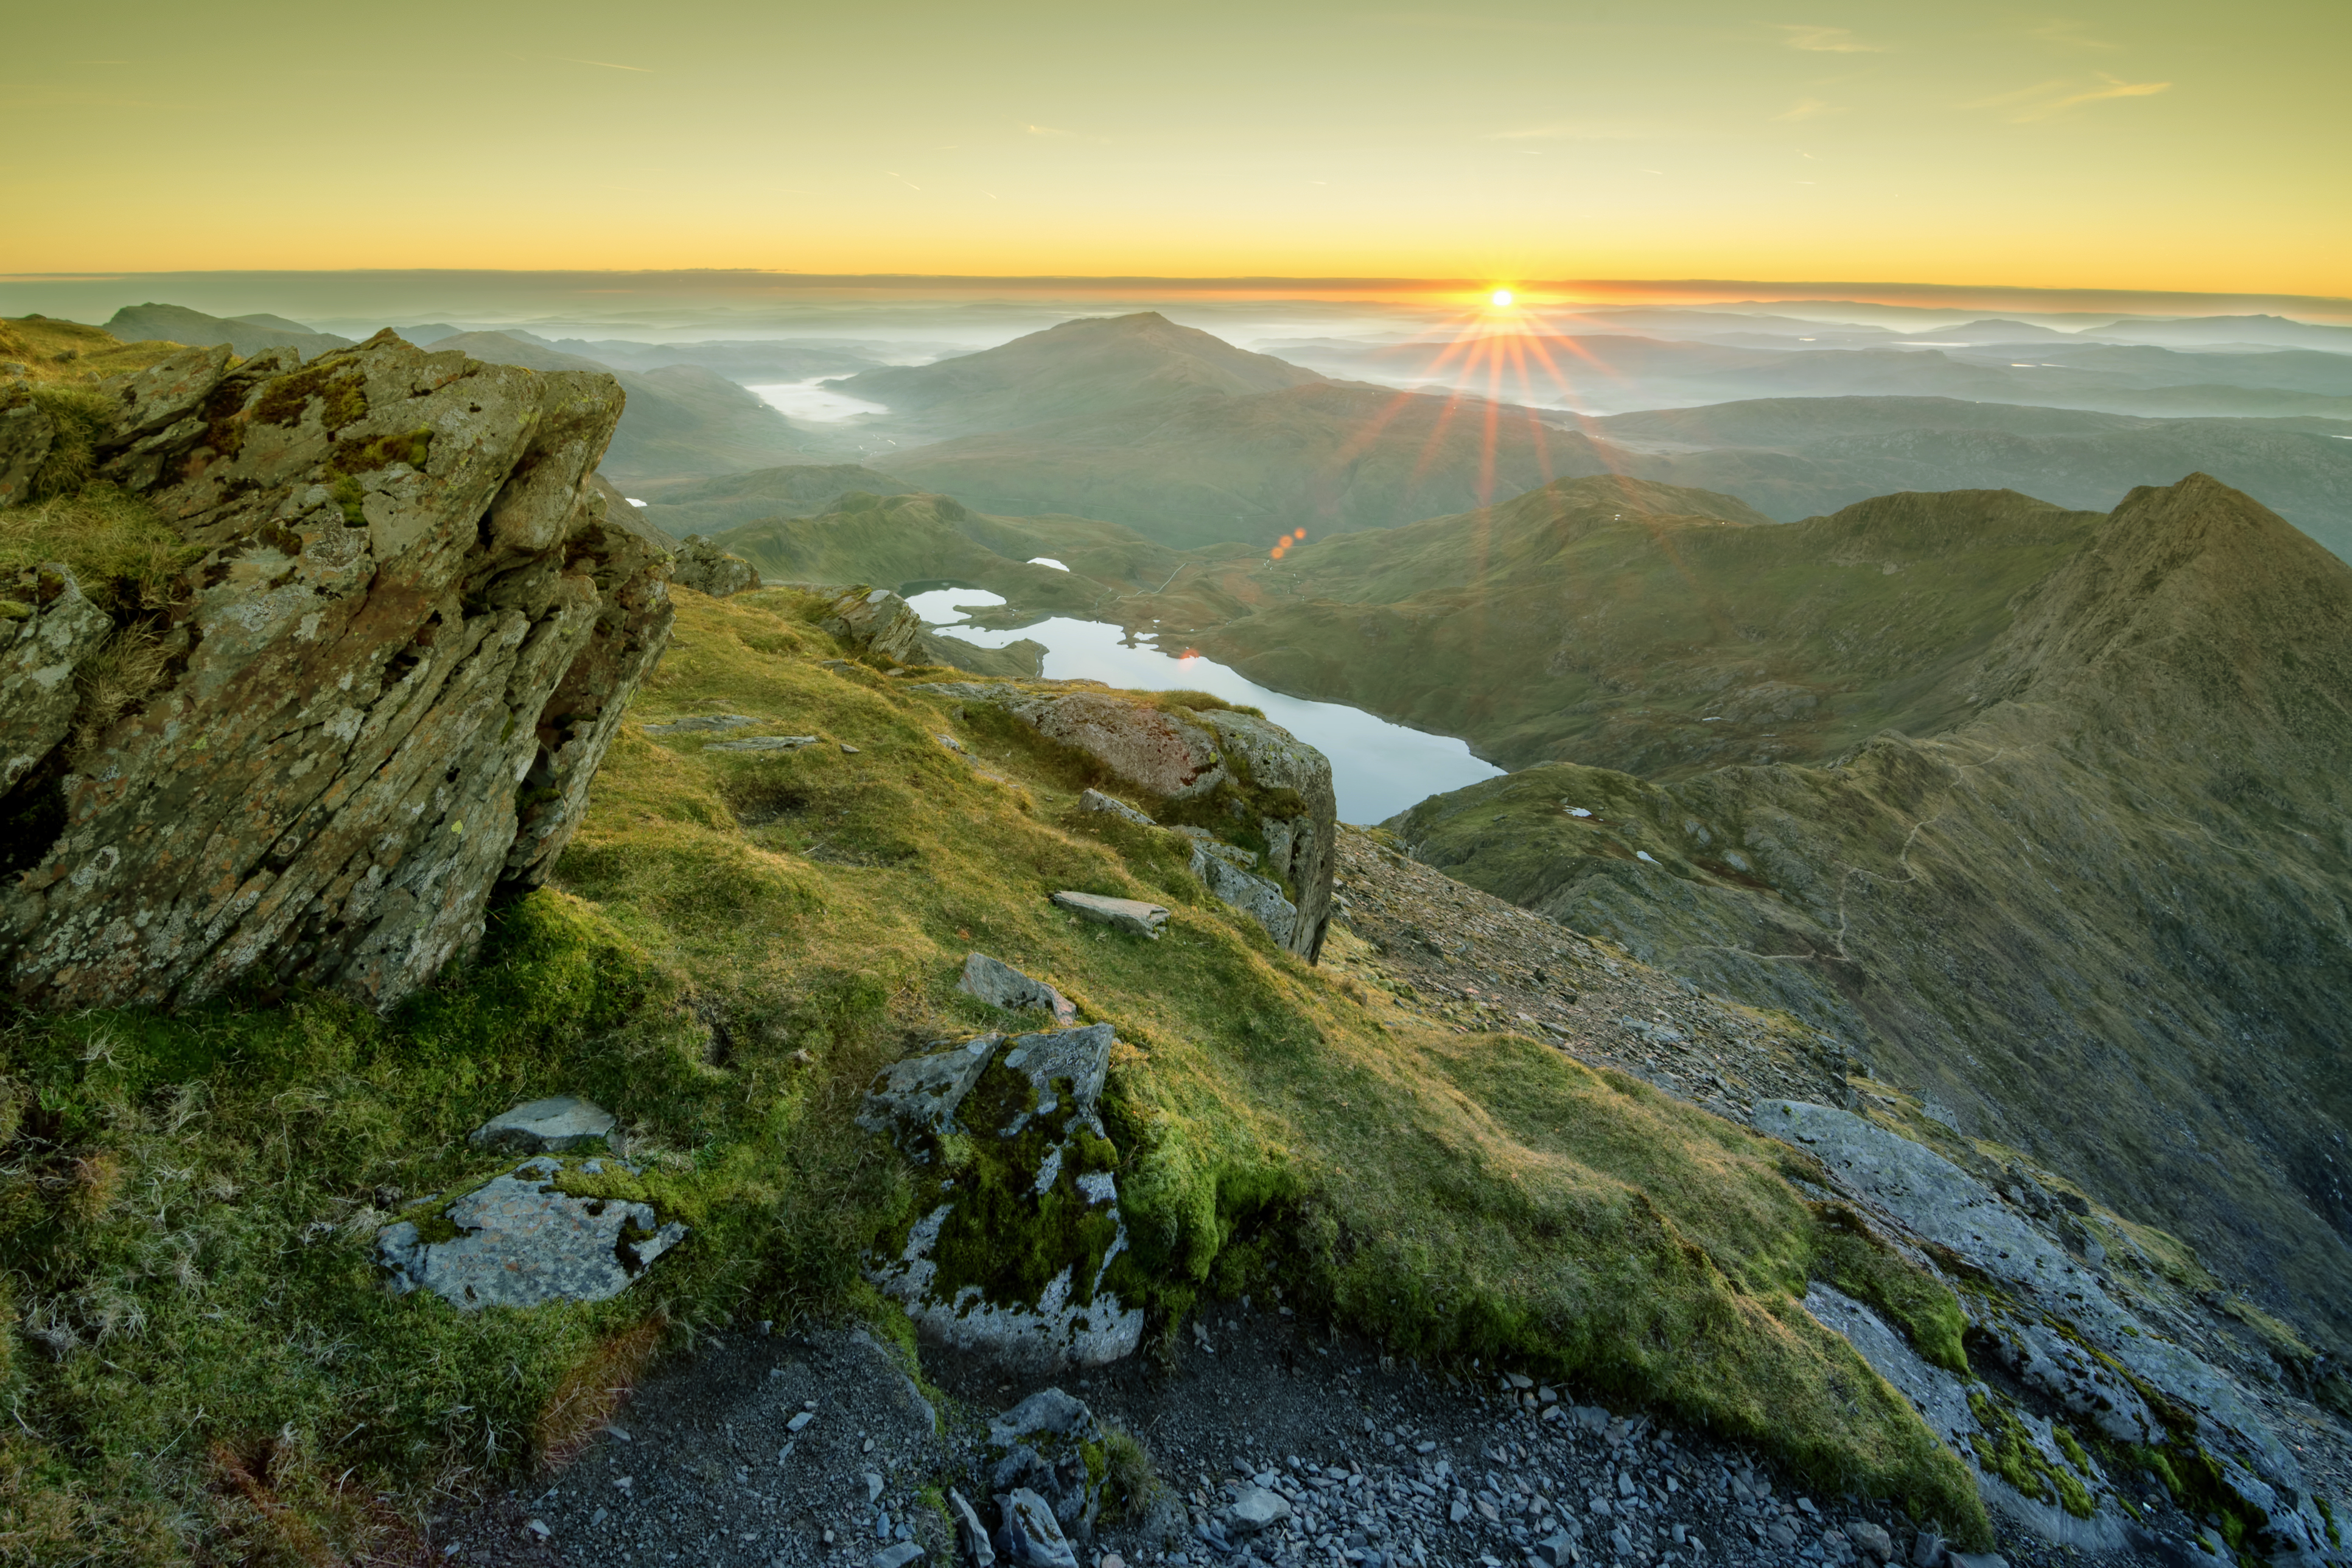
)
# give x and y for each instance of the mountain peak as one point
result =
(2191, 620)
(1093, 364)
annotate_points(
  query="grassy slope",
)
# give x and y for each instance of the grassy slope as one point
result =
(737, 943)
(1610, 620)
(55, 352)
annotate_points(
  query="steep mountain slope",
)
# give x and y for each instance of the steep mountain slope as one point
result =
(1800, 457)
(2103, 920)
(1637, 625)
(682, 422)
(245, 334)
(1103, 364)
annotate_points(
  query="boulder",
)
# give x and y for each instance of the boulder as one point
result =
(1030, 1535)
(1017, 1222)
(970, 1533)
(522, 1241)
(704, 567)
(1157, 751)
(1000, 984)
(1255, 1508)
(1052, 1444)
(1126, 914)
(877, 622)
(558, 1125)
(412, 634)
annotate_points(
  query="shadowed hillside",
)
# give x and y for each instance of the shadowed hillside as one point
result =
(1640, 626)
(2102, 919)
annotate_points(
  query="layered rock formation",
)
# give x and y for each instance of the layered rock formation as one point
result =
(1256, 797)
(411, 625)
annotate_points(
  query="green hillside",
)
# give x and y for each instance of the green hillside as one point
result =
(2100, 917)
(1640, 625)
(681, 507)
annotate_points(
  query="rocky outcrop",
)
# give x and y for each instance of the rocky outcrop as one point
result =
(2080, 1358)
(877, 622)
(706, 569)
(1017, 1224)
(1248, 783)
(409, 638)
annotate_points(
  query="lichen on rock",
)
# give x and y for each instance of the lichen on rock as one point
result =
(1017, 1225)
(414, 622)
(520, 1240)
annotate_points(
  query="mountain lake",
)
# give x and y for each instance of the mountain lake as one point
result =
(1378, 769)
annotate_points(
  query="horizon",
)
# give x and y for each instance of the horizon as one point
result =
(2111, 147)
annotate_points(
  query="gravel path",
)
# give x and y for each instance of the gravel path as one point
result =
(1380, 1464)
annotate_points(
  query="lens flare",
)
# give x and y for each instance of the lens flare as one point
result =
(1500, 299)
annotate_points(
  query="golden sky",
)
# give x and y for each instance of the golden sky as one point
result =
(2141, 146)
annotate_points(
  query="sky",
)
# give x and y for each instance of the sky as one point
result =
(2131, 146)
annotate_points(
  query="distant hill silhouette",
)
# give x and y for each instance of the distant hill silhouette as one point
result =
(1095, 367)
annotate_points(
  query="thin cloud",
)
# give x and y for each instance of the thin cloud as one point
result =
(1829, 41)
(1808, 108)
(606, 65)
(2044, 99)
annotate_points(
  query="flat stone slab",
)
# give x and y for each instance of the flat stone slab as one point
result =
(1095, 800)
(1124, 914)
(1000, 984)
(523, 1242)
(560, 1124)
(763, 743)
(702, 721)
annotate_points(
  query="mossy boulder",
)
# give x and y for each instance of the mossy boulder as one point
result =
(1015, 1226)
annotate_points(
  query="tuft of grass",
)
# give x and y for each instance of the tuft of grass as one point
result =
(79, 419)
(127, 559)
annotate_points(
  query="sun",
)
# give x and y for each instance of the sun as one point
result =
(1500, 299)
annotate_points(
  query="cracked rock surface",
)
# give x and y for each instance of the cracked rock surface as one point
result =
(416, 621)
(522, 1241)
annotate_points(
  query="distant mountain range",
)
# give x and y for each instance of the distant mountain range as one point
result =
(247, 334)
